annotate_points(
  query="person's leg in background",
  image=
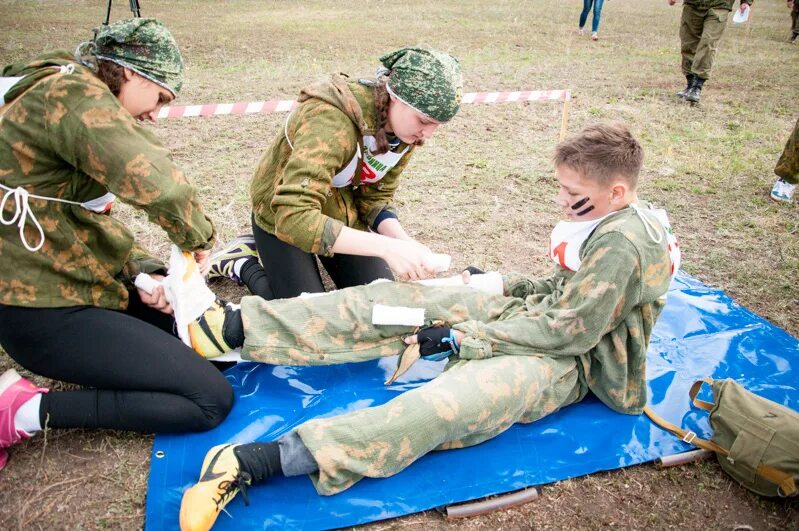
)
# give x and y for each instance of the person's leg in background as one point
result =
(595, 21)
(787, 169)
(584, 14)
(691, 24)
(714, 24)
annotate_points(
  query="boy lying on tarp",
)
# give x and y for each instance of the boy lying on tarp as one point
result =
(515, 357)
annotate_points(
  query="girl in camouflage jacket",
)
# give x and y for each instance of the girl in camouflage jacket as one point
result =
(326, 185)
(70, 143)
(513, 357)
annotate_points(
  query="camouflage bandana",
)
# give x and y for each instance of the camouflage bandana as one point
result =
(145, 46)
(431, 82)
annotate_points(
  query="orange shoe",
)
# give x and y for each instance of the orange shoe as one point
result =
(219, 483)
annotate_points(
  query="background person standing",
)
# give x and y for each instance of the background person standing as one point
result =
(597, 4)
(701, 27)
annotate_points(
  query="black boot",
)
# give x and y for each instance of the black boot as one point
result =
(683, 92)
(693, 93)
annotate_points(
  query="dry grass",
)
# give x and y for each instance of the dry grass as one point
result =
(480, 191)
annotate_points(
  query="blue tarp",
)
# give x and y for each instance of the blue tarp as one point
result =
(702, 332)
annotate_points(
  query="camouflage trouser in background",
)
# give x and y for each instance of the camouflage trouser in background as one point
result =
(795, 18)
(788, 165)
(700, 32)
(470, 402)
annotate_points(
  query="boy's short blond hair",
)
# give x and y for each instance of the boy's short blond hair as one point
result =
(603, 152)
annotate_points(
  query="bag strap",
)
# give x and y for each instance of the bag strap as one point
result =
(685, 435)
(701, 404)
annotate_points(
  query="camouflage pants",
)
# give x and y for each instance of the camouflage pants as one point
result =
(700, 32)
(470, 402)
(788, 165)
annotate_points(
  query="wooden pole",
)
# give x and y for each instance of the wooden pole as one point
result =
(564, 123)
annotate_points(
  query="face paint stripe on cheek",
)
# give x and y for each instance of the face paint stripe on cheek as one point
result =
(581, 203)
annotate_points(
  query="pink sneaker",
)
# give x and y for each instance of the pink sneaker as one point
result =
(14, 391)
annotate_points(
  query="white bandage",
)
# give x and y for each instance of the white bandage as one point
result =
(488, 282)
(397, 315)
(146, 283)
(439, 262)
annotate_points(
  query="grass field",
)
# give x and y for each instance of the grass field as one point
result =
(480, 190)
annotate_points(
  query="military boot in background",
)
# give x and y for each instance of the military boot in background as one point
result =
(695, 90)
(683, 92)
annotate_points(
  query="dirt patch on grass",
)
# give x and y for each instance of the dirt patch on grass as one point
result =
(479, 191)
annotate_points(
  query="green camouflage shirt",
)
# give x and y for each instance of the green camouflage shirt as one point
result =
(291, 192)
(602, 314)
(65, 135)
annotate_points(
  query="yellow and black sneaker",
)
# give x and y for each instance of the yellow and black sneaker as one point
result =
(219, 483)
(206, 333)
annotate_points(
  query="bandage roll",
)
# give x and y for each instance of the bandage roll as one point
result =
(439, 262)
(146, 283)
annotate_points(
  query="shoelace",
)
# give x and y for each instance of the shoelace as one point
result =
(240, 482)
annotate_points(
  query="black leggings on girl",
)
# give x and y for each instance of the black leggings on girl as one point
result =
(288, 271)
(138, 375)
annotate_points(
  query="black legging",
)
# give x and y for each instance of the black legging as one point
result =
(141, 377)
(288, 271)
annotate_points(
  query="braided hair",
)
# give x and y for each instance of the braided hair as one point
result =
(382, 101)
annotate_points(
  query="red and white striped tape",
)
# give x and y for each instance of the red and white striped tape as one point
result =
(270, 106)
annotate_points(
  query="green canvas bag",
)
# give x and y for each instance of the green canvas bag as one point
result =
(756, 440)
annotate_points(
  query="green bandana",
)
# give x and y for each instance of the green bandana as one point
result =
(431, 82)
(145, 46)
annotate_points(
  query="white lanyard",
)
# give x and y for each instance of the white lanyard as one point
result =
(22, 210)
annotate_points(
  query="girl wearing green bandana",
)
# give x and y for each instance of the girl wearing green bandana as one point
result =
(71, 143)
(326, 185)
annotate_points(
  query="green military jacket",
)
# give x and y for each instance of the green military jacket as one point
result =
(603, 314)
(292, 192)
(715, 4)
(65, 135)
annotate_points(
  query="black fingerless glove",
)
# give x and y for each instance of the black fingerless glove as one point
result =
(437, 342)
(474, 271)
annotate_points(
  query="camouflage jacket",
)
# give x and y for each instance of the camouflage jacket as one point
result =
(66, 136)
(292, 193)
(602, 314)
(714, 4)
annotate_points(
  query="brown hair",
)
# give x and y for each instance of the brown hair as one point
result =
(382, 103)
(602, 152)
(111, 74)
